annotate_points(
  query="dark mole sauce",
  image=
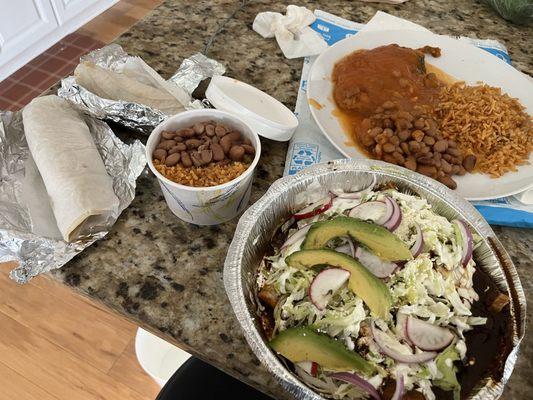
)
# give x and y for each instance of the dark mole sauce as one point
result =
(487, 345)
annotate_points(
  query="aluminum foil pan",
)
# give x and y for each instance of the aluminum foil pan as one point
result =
(255, 228)
(136, 116)
(28, 231)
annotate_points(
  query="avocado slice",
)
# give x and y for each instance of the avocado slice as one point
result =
(362, 282)
(378, 239)
(304, 344)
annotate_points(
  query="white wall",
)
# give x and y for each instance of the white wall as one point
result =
(29, 27)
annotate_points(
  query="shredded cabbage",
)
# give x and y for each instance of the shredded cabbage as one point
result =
(434, 286)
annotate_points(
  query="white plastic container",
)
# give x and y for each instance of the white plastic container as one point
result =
(157, 357)
(264, 114)
(205, 205)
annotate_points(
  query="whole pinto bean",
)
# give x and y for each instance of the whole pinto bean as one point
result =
(248, 149)
(210, 130)
(426, 160)
(448, 181)
(186, 159)
(193, 143)
(220, 130)
(172, 159)
(186, 133)
(175, 149)
(236, 153)
(218, 152)
(168, 135)
(228, 140)
(166, 144)
(198, 128)
(206, 156)
(428, 170)
(445, 166)
(440, 146)
(453, 151)
(160, 154)
(410, 163)
(469, 162)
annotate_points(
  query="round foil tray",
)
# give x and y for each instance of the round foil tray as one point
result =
(258, 223)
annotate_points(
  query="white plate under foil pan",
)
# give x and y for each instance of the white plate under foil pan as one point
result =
(258, 223)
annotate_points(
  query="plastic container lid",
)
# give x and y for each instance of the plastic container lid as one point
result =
(264, 114)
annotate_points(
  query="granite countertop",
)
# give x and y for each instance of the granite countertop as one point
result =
(166, 274)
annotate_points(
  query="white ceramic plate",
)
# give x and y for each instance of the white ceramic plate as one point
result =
(460, 60)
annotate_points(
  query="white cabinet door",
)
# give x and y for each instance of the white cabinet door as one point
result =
(69, 9)
(23, 23)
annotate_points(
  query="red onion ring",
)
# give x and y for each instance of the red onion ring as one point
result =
(398, 392)
(418, 245)
(348, 248)
(466, 241)
(357, 381)
(396, 217)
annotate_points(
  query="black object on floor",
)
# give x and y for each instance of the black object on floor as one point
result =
(197, 380)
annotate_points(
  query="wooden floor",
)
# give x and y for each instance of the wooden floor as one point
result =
(54, 343)
(118, 19)
(57, 345)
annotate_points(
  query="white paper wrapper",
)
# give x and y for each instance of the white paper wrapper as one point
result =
(256, 226)
(28, 230)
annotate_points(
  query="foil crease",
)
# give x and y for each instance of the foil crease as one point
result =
(136, 116)
(195, 69)
(255, 228)
(35, 253)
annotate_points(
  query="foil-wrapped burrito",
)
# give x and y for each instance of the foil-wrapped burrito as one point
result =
(65, 178)
(136, 83)
(78, 186)
(115, 86)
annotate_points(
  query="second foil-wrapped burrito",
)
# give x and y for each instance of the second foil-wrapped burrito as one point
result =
(137, 83)
(79, 189)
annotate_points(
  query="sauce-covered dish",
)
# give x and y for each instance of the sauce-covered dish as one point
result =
(354, 279)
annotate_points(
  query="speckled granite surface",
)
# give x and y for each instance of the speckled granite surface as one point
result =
(166, 274)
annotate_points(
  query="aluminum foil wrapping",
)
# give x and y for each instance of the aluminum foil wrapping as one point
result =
(21, 185)
(255, 228)
(136, 116)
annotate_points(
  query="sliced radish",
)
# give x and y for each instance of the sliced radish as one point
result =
(298, 235)
(466, 241)
(357, 381)
(427, 336)
(398, 392)
(374, 264)
(396, 217)
(375, 211)
(348, 248)
(397, 351)
(418, 245)
(309, 367)
(401, 327)
(325, 284)
(344, 204)
(341, 194)
(316, 208)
